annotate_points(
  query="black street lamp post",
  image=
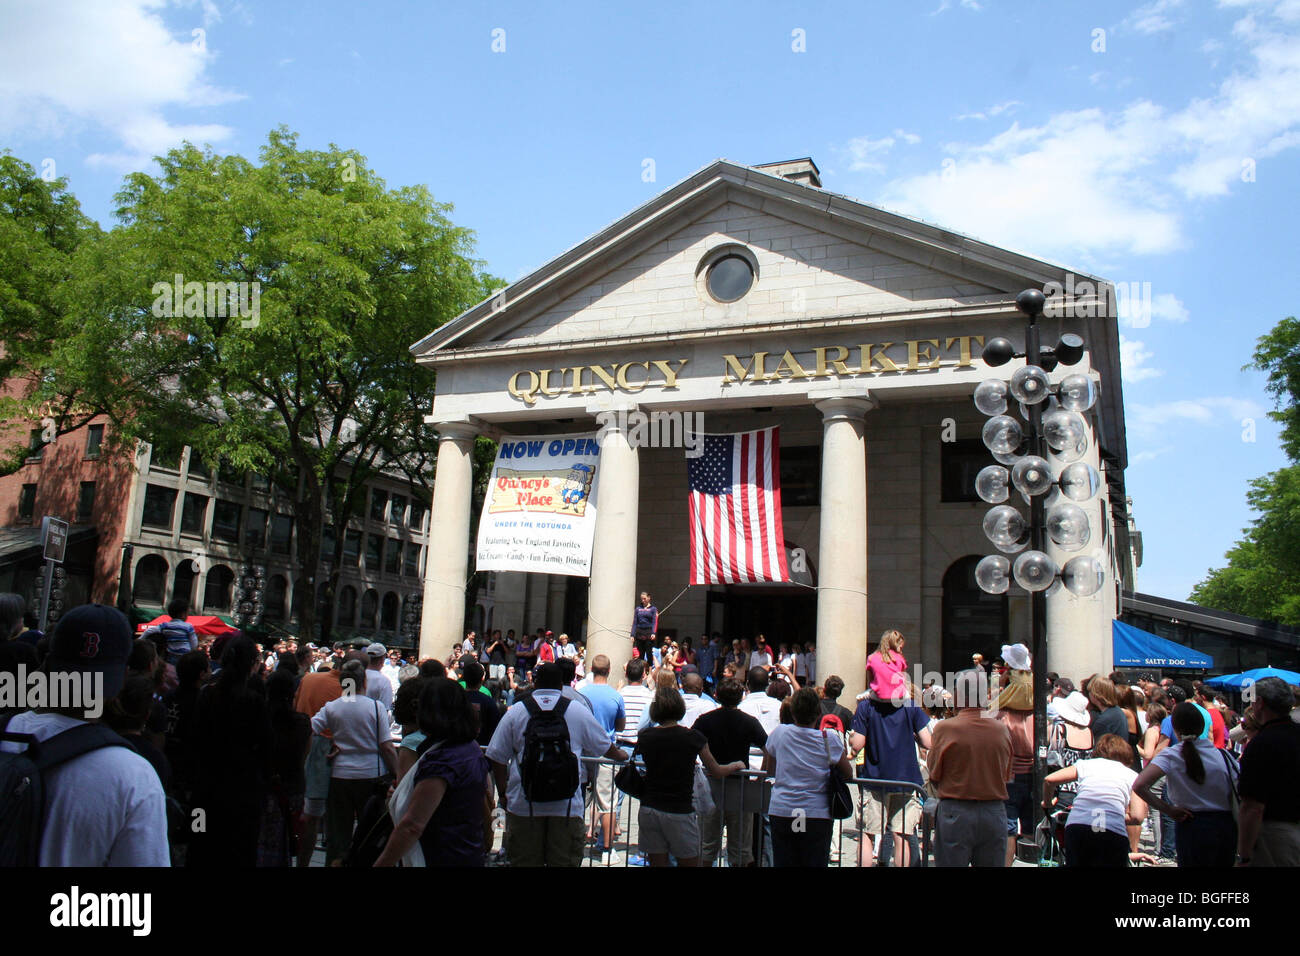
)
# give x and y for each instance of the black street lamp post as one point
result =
(1050, 486)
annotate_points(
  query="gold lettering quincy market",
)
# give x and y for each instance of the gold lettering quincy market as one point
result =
(840, 361)
(584, 379)
(911, 355)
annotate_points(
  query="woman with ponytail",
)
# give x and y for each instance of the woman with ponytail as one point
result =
(1200, 794)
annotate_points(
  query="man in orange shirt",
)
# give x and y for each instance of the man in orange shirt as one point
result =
(970, 763)
(315, 690)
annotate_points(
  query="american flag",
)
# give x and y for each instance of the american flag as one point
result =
(736, 534)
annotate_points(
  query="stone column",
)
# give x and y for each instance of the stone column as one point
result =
(842, 568)
(613, 588)
(555, 594)
(447, 566)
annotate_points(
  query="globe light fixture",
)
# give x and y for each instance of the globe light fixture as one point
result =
(1069, 350)
(1083, 576)
(991, 484)
(1077, 393)
(991, 396)
(1031, 302)
(1079, 481)
(1067, 526)
(1005, 527)
(1002, 434)
(1072, 454)
(993, 574)
(1063, 429)
(1030, 385)
(998, 352)
(1032, 476)
(1034, 571)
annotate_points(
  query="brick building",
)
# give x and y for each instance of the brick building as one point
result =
(185, 529)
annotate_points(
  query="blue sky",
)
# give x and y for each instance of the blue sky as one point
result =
(1152, 143)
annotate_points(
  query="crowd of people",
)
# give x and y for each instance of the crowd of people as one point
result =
(224, 752)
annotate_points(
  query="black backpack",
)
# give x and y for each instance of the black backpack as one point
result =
(22, 787)
(548, 768)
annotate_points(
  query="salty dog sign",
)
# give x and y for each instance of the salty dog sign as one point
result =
(539, 513)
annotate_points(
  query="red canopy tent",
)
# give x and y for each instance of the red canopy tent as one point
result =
(205, 625)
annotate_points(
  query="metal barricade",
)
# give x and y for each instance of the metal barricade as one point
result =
(733, 831)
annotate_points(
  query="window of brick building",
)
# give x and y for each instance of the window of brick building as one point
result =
(86, 501)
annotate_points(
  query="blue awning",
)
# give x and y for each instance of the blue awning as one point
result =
(1134, 647)
(1239, 681)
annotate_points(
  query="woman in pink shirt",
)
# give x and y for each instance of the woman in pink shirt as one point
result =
(887, 668)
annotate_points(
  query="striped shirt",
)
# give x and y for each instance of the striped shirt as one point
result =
(636, 702)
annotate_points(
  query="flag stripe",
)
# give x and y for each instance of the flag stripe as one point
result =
(735, 510)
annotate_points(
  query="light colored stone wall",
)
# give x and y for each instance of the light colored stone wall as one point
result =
(656, 290)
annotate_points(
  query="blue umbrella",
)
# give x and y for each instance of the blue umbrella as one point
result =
(1238, 681)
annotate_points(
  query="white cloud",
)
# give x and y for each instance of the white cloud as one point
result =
(911, 139)
(111, 65)
(1150, 455)
(1115, 182)
(1168, 307)
(862, 152)
(997, 109)
(1133, 357)
(1151, 17)
(1221, 410)
(965, 4)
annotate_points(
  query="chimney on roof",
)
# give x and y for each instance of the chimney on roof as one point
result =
(802, 171)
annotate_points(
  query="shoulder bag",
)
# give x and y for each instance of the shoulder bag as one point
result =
(837, 789)
(629, 778)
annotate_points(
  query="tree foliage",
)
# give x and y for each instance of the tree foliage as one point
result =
(312, 383)
(1262, 576)
(44, 236)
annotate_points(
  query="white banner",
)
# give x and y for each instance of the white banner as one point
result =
(539, 513)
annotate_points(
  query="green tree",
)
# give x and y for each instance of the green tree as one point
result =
(1262, 576)
(42, 231)
(303, 374)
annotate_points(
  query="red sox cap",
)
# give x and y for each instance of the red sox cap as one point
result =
(90, 638)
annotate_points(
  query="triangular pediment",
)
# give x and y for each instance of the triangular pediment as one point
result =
(817, 257)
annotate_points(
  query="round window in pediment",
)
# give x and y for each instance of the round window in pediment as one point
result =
(730, 278)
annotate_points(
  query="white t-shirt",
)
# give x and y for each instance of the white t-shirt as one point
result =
(1182, 791)
(810, 661)
(759, 659)
(1104, 790)
(358, 726)
(803, 757)
(104, 808)
(586, 738)
(378, 688)
(390, 672)
(696, 705)
(767, 711)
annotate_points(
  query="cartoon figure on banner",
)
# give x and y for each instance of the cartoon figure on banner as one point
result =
(576, 488)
